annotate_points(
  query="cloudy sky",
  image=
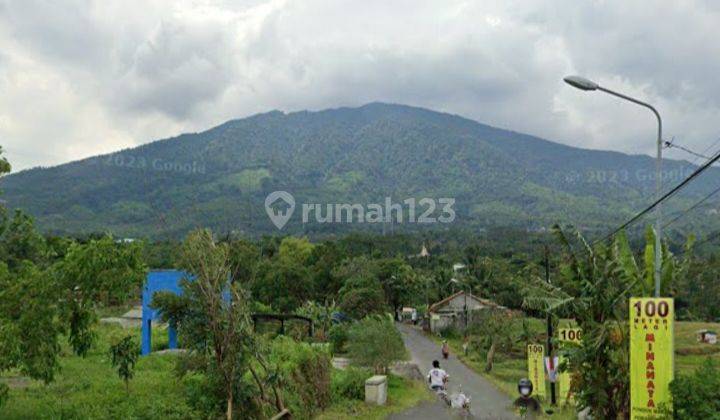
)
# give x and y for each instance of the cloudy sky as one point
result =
(80, 78)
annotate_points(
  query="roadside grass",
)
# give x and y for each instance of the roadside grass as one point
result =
(402, 394)
(508, 369)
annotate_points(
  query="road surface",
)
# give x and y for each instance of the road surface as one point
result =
(487, 401)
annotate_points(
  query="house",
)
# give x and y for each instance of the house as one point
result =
(451, 310)
(707, 336)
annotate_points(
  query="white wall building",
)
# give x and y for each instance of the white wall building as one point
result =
(451, 310)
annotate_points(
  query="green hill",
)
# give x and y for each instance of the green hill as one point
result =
(219, 178)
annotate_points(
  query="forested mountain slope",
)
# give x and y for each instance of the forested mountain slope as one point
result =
(220, 178)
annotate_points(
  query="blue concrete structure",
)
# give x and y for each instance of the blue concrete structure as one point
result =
(158, 280)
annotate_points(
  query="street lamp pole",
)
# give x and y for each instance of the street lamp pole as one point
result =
(588, 85)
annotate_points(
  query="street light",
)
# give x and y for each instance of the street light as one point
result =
(588, 85)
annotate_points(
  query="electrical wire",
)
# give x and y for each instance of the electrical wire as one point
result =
(693, 207)
(667, 195)
(669, 144)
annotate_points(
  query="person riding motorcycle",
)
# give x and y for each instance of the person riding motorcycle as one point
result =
(437, 378)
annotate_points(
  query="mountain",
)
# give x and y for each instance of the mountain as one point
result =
(220, 178)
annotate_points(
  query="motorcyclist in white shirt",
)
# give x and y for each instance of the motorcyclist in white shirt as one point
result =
(437, 378)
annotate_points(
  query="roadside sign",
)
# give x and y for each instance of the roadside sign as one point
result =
(536, 371)
(551, 367)
(567, 335)
(651, 356)
(570, 335)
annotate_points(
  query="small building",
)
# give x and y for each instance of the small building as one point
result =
(451, 310)
(408, 314)
(707, 336)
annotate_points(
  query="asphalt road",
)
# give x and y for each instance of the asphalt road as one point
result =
(487, 402)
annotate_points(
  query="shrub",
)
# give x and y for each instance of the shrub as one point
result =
(374, 342)
(349, 384)
(697, 396)
(124, 355)
(450, 332)
(338, 337)
(305, 376)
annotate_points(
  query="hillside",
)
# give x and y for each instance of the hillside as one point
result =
(219, 178)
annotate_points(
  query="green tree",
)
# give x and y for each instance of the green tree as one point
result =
(400, 283)
(324, 259)
(284, 281)
(29, 326)
(362, 293)
(213, 320)
(360, 297)
(244, 259)
(374, 342)
(124, 355)
(19, 241)
(46, 292)
(294, 250)
(4, 164)
(100, 271)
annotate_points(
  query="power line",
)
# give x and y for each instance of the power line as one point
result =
(707, 239)
(701, 155)
(669, 144)
(667, 195)
(698, 156)
(693, 207)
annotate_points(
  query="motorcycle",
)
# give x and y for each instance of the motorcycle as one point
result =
(457, 401)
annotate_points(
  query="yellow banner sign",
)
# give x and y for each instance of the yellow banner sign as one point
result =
(567, 335)
(536, 368)
(570, 335)
(651, 356)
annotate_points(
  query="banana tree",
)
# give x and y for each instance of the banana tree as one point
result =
(672, 270)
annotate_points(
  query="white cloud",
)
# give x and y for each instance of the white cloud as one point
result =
(78, 78)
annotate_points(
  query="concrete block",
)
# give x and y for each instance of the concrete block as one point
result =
(340, 362)
(376, 390)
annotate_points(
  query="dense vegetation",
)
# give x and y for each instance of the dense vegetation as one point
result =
(219, 178)
(52, 289)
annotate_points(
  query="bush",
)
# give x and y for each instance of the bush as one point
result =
(305, 376)
(338, 337)
(697, 396)
(349, 384)
(450, 332)
(374, 342)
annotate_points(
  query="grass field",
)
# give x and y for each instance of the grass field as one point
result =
(90, 388)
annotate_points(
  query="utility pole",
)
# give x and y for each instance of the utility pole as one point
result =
(549, 326)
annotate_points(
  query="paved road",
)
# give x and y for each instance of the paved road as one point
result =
(487, 401)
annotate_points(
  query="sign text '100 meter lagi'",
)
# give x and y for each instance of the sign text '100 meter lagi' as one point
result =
(651, 356)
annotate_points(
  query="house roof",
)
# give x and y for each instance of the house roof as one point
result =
(486, 302)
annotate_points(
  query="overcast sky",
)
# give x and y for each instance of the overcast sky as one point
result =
(80, 78)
